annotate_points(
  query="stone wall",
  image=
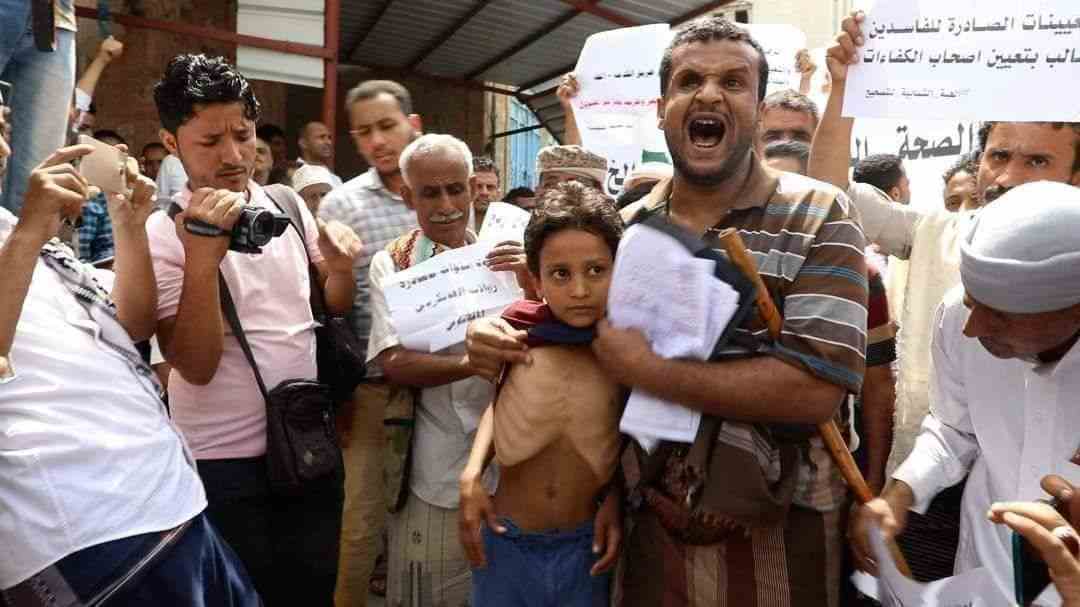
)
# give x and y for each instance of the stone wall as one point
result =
(124, 95)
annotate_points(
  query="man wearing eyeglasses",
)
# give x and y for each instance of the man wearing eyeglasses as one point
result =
(382, 123)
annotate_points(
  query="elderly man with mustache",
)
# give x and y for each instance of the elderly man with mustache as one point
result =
(425, 557)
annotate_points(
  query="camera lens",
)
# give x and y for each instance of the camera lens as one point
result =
(261, 228)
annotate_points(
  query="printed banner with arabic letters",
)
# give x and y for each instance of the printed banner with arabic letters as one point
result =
(1015, 60)
(927, 147)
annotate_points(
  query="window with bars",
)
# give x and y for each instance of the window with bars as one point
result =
(523, 147)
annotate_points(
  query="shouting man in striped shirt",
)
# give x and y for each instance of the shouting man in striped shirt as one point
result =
(809, 253)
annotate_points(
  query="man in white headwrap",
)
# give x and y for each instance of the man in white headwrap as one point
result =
(1005, 387)
(313, 182)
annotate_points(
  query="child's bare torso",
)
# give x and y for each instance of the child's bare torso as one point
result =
(556, 438)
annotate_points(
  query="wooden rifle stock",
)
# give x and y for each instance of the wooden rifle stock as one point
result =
(830, 433)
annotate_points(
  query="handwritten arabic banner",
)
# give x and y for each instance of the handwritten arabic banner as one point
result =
(781, 43)
(615, 108)
(963, 60)
(432, 303)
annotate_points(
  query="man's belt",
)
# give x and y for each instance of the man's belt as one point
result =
(44, 24)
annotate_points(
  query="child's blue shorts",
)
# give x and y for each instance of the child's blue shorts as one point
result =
(546, 569)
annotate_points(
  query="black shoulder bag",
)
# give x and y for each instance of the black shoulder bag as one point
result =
(338, 353)
(301, 444)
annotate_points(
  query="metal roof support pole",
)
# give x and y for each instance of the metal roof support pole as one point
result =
(210, 33)
(590, 6)
(332, 16)
(524, 129)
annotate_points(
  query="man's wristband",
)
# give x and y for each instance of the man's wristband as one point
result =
(201, 228)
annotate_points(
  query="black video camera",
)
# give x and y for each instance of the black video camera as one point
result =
(253, 230)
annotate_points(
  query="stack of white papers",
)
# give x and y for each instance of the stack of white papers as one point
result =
(975, 588)
(676, 301)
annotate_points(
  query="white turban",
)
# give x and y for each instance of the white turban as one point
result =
(311, 174)
(1022, 254)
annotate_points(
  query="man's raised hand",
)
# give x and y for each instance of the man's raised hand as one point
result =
(56, 191)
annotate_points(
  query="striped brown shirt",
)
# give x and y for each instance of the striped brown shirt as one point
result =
(809, 253)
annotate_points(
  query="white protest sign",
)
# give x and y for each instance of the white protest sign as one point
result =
(615, 108)
(504, 222)
(975, 588)
(927, 147)
(432, 303)
(781, 43)
(1016, 60)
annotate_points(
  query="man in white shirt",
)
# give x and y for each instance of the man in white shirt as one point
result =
(317, 147)
(1006, 376)
(100, 499)
(425, 557)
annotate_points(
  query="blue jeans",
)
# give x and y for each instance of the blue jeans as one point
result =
(547, 569)
(197, 570)
(43, 84)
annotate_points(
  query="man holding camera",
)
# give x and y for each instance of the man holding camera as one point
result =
(289, 543)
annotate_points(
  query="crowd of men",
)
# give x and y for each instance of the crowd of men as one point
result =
(145, 342)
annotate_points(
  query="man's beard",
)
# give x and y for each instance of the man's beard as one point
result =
(397, 168)
(712, 178)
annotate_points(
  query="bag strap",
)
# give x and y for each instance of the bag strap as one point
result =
(228, 308)
(285, 199)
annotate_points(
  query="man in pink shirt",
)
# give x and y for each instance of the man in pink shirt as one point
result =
(288, 544)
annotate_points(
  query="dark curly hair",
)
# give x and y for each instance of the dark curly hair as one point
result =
(883, 171)
(967, 163)
(571, 206)
(484, 164)
(708, 29)
(192, 80)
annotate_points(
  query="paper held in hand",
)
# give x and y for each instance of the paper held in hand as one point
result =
(975, 588)
(661, 289)
(968, 60)
(432, 303)
(781, 43)
(504, 222)
(615, 108)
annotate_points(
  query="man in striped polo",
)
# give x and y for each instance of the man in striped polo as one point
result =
(809, 253)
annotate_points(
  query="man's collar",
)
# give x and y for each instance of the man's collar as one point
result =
(375, 181)
(760, 187)
(470, 238)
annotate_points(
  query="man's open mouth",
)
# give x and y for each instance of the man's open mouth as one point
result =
(706, 132)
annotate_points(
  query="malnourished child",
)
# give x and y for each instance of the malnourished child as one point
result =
(552, 530)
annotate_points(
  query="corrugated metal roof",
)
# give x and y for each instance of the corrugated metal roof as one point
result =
(500, 26)
(507, 42)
